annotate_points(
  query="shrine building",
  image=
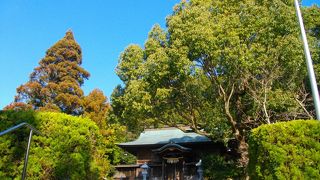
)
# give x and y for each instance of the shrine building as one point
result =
(169, 153)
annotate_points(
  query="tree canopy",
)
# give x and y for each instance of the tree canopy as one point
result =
(55, 84)
(224, 67)
(96, 107)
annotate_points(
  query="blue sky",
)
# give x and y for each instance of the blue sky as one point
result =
(102, 28)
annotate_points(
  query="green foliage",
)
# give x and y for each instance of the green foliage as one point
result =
(55, 84)
(96, 107)
(220, 167)
(246, 52)
(13, 145)
(70, 147)
(222, 66)
(244, 59)
(116, 133)
(129, 63)
(159, 90)
(311, 19)
(286, 150)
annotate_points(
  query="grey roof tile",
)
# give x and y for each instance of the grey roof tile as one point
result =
(166, 135)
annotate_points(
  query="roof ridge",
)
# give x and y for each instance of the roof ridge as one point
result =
(164, 128)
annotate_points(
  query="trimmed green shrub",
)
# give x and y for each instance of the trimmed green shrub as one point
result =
(217, 166)
(285, 150)
(70, 147)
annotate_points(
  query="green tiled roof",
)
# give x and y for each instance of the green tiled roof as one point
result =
(166, 135)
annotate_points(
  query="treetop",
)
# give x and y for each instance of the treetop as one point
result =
(69, 35)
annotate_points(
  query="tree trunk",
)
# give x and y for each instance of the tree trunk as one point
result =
(243, 151)
(243, 146)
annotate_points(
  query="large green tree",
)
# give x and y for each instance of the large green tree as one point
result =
(55, 84)
(252, 55)
(157, 90)
(222, 66)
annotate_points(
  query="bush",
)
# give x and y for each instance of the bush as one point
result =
(70, 148)
(286, 150)
(217, 166)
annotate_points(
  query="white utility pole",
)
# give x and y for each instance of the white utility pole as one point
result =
(312, 77)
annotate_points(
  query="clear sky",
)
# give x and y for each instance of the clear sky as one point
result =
(102, 28)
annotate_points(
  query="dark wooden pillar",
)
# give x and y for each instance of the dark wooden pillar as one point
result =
(183, 164)
(162, 173)
(175, 171)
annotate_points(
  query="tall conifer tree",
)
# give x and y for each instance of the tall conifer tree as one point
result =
(55, 85)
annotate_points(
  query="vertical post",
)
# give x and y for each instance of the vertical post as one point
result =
(183, 169)
(144, 168)
(26, 157)
(175, 171)
(162, 173)
(313, 82)
(144, 176)
(199, 170)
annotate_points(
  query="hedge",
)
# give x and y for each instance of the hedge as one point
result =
(285, 150)
(218, 166)
(70, 148)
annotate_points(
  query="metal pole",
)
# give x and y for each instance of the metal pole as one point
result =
(26, 157)
(29, 141)
(313, 82)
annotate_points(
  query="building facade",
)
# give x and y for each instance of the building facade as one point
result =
(170, 153)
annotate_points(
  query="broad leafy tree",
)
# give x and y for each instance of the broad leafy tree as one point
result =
(222, 66)
(252, 55)
(153, 89)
